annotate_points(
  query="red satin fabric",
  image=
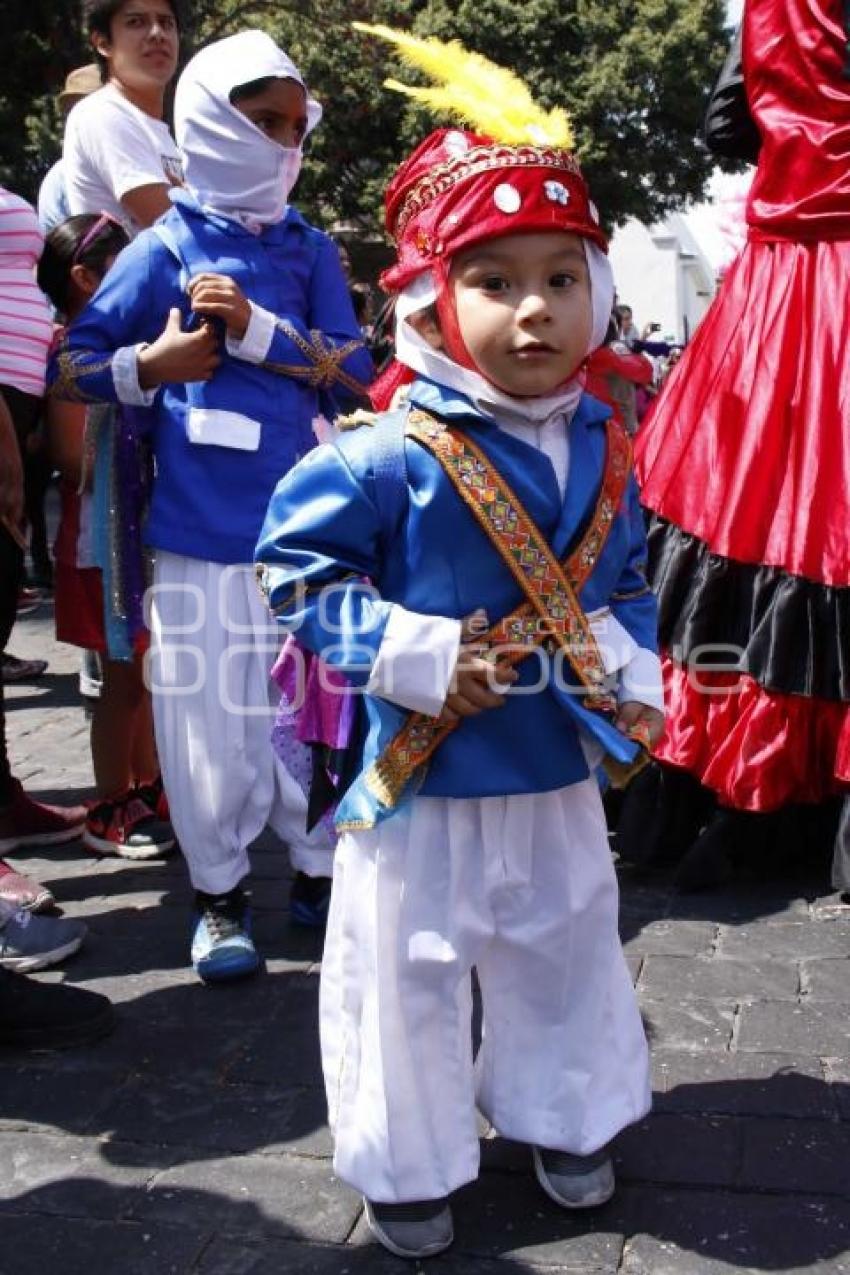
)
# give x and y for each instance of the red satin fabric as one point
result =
(748, 445)
(455, 346)
(383, 390)
(756, 750)
(794, 56)
(842, 766)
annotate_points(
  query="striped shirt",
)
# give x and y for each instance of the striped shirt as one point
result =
(26, 326)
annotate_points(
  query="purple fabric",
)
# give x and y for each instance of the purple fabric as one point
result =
(316, 702)
(316, 707)
(132, 486)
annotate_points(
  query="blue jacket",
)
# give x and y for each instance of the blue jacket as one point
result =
(324, 527)
(209, 498)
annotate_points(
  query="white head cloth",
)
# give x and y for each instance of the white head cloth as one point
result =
(231, 167)
(414, 352)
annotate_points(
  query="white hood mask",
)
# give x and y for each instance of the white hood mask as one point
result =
(414, 352)
(231, 167)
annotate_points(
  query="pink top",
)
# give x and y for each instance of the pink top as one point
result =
(26, 326)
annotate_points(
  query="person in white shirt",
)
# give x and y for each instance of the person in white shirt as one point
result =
(52, 197)
(119, 156)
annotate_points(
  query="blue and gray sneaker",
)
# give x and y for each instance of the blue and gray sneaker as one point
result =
(309, 900)
(30, 942)
(222, 947)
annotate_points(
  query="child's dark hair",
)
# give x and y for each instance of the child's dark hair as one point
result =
(62, 251)
(251, 89)
(97, 20)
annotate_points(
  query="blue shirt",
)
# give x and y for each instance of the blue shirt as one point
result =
(324, 528)
(53, 199)
(209, 498)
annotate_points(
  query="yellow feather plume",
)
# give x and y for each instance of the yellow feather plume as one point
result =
(475, 91)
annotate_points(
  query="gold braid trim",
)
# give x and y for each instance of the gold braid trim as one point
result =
(519, 542)
(262, 581)
(71, 371)
(480, 159)
(325, 360)
(263, 577)
(515, 636)
(353, 421)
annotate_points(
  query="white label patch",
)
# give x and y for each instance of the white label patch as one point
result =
(212, 428)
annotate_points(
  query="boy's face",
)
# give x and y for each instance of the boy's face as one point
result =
(524, 309)
(143, 44)
(280, 111)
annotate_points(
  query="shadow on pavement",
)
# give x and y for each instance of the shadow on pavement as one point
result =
(648, 895)
(254, 1215)
(50, 691)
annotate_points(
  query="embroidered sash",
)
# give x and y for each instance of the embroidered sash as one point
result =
(551, 617)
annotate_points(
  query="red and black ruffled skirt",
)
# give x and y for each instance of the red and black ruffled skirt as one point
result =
(745, 465)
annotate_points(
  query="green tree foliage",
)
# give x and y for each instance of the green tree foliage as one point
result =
(41, 45)
(635, 75)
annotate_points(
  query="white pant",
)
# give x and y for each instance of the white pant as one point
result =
(524, 889)
(212, 645)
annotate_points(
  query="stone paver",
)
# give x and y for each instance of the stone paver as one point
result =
(193, 1140)
(815, 1027)
(717, 1233)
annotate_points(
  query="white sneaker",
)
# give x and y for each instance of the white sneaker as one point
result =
(575, 1181)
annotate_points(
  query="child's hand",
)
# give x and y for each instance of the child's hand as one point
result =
(177, 356)
(217, 296)
(470, 690)
(649, 721)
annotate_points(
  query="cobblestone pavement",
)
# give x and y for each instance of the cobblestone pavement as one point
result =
(194, 1139)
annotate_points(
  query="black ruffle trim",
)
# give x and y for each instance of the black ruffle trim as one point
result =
(790, 634)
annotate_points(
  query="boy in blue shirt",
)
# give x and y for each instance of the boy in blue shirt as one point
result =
(475, 564)
(226, 321)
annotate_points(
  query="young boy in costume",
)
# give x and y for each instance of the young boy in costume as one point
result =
(231, 407)
(473, 562)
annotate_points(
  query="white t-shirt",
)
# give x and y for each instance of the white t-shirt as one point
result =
(111, 148)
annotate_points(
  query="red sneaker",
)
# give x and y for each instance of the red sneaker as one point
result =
(124, 826)
(22, 892)
(24, 822)
(153, 795)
